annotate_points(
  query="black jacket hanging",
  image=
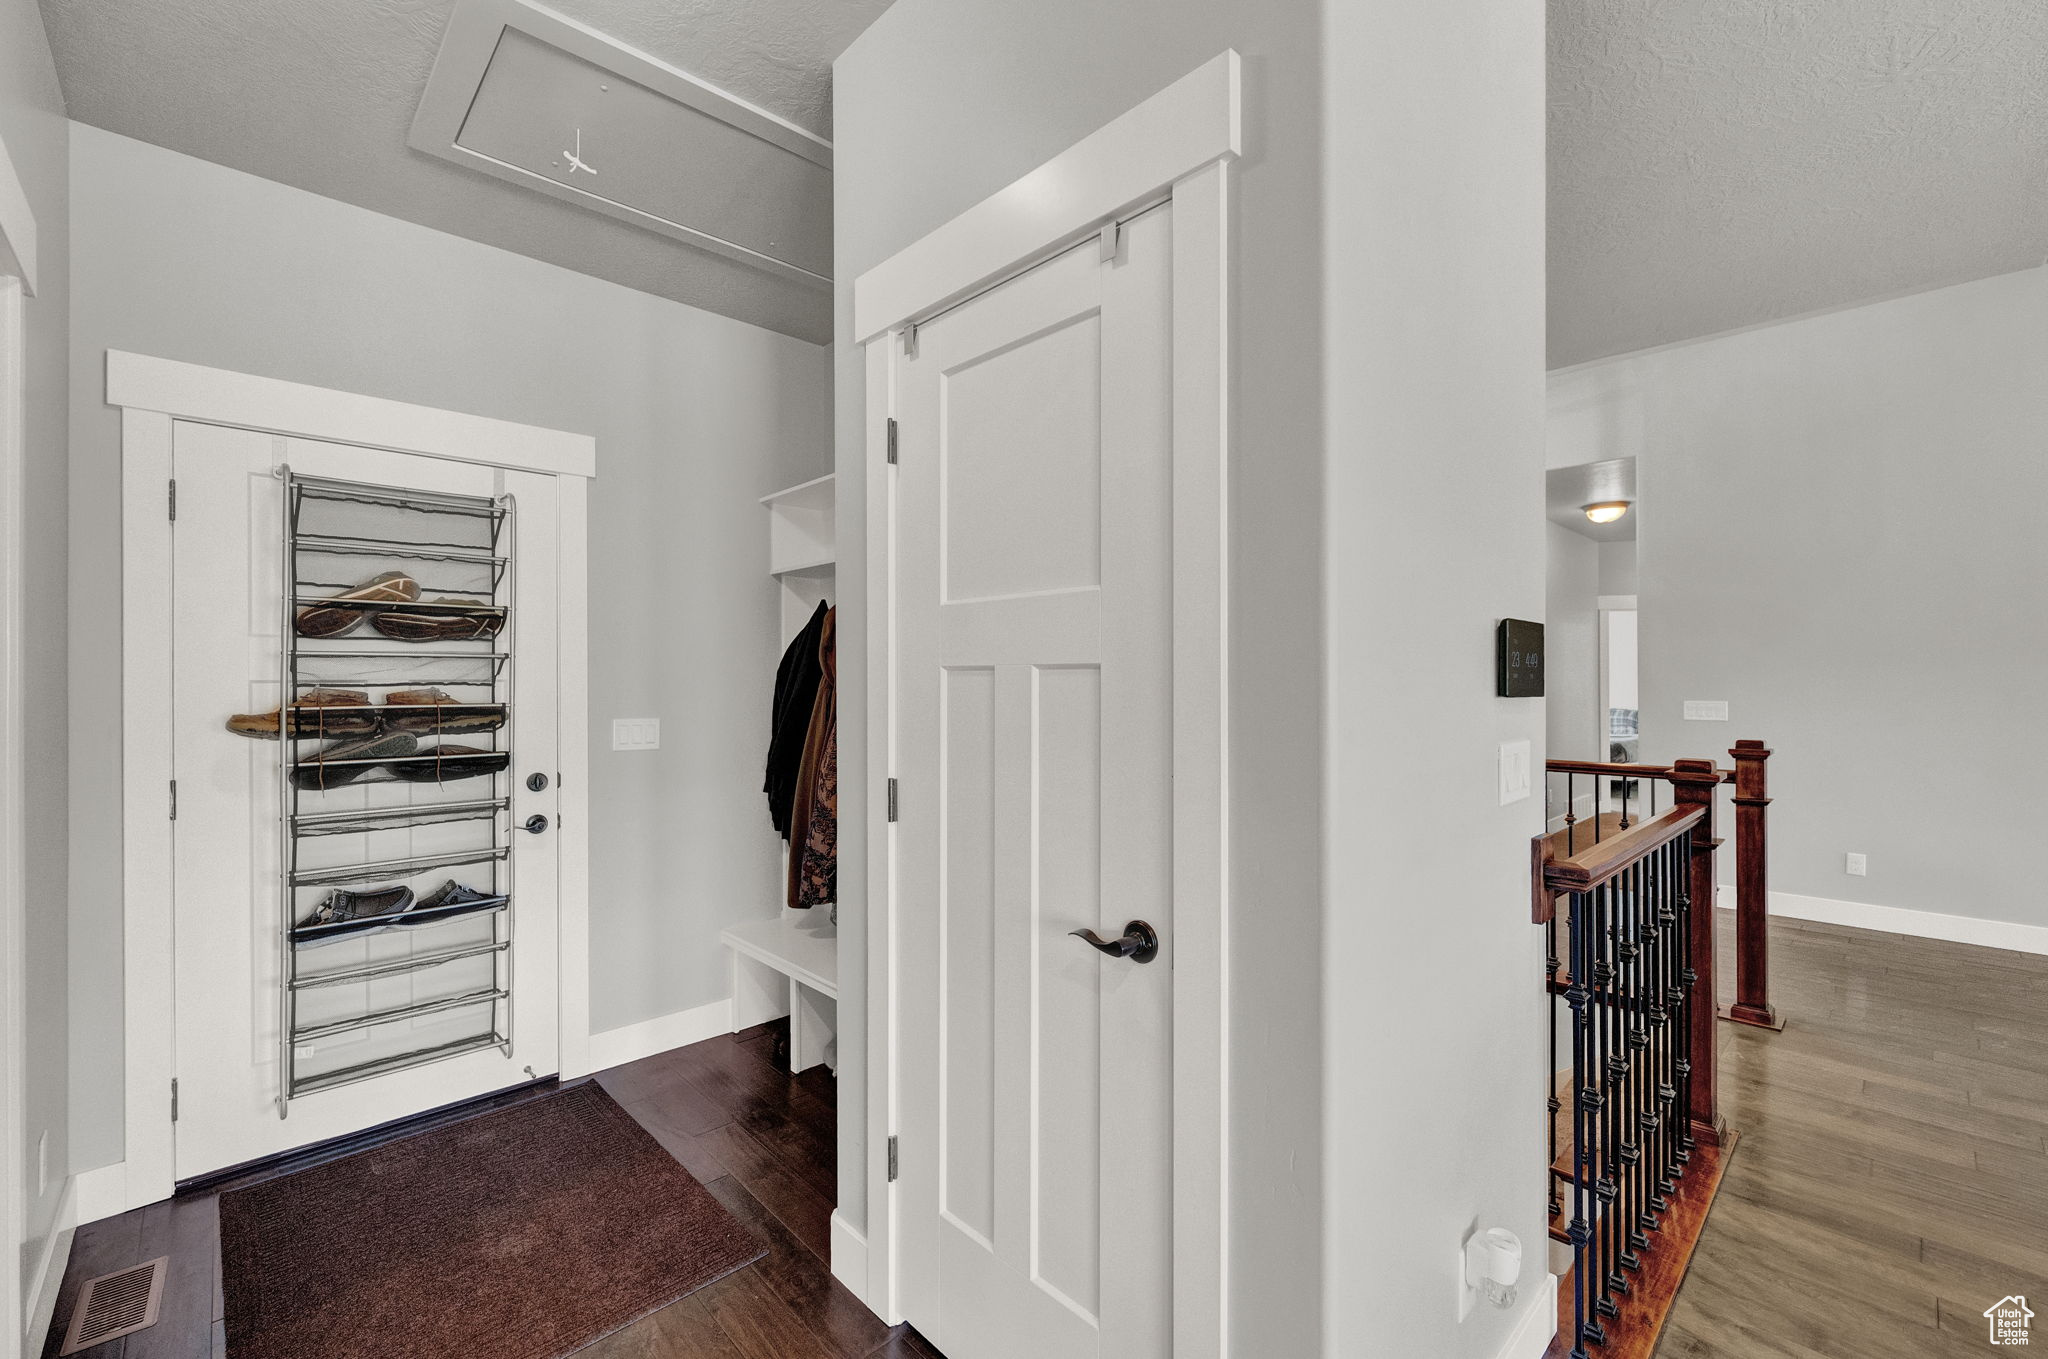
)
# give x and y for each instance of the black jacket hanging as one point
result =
(796, 693)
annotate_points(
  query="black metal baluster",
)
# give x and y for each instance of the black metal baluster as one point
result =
(1551, 1103)
(1624, 1062)
(1571, 815)
(1661, 1028)
(1681, 1018)
(1667, 916)
(1579, 996)
(1624, 1095)
(1674, 1036)
(1606, 1186)
(1657, 1168)
(1642, 1097)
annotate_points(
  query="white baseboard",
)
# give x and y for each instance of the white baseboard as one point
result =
(1533, 1334)
(850, 1257)
(616, 1047)
(1956, 929)
(103, 1192)
(49, 1277)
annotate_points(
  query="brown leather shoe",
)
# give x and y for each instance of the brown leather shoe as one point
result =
(435, 712)
(316, 714)
(393, 587)
(443, 620)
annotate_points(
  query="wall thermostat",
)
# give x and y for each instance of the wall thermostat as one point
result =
(1518, 659)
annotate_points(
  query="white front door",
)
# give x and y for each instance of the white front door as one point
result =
(229, 905)
(1034, 691)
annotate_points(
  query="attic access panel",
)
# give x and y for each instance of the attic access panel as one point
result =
(515, 86)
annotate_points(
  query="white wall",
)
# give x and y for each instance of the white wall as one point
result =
(33, 127)
(1618, 566)
(1388, 308)
(937, 105)
(1435, 1019)
(1571, 647)
(1848, 546)
(695, 417)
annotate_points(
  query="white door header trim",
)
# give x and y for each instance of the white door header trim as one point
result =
(189, 391)
(1191, 123)
(17, 226)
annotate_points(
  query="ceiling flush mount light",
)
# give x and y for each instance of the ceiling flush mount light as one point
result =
(1606, 511)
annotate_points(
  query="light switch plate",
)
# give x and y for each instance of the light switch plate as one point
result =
(636, 733)
(1514, 771)
(1706, 710)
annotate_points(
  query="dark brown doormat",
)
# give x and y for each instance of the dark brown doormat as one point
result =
(522, 1234)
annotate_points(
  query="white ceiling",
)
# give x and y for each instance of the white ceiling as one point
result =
(320, 93)
(1717, 163)
(1714, 163)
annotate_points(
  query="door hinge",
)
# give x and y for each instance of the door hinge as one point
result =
(174, 500)
(892, 440)
(174, 1099)
(1112, 241)
(910, 341)
(892, 799)
(892, 1158)
(174, 799)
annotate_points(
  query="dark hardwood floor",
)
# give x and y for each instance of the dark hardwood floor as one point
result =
(761, 1140)
(1892, 1178)
(1890, 1184)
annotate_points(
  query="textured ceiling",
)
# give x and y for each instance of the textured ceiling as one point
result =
(1717, 163)
(1714, 163)
(319, 94)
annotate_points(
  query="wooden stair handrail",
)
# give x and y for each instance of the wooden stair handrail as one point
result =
(1635, 771)
(1603, 860)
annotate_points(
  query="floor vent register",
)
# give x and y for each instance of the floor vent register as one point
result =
(116, 1304)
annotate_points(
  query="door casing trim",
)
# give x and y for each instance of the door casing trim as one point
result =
(1179, 144)
(154, 394)
(17, 1307)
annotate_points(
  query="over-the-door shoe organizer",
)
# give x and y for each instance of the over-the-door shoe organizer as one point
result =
(395, 745)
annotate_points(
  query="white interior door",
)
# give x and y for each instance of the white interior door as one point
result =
(229, 907)
(1034, 690)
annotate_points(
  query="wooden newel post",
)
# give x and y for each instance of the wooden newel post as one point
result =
(1752, 892)
(1693, 783)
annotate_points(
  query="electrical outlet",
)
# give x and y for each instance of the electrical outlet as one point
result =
(1856, 865)
(636, 733)
(1468, 1288)
(1706, 710)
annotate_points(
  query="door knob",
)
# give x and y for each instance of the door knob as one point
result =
(1140, 942)
(536, 823)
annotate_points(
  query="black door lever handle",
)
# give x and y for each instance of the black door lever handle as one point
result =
(1140, 942)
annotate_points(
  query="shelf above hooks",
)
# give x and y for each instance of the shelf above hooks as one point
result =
(801, 526)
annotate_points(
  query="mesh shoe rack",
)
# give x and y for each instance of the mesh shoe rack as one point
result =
(426, 682)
